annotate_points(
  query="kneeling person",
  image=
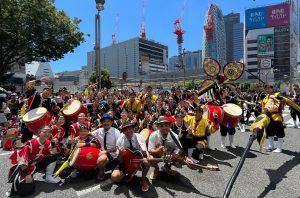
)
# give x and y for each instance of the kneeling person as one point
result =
(132, 141)
(35, 156)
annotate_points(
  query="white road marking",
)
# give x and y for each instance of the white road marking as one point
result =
(87, 190)
(8, 153)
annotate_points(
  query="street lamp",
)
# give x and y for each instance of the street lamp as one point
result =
(99, 7)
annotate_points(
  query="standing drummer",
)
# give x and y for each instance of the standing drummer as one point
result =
(107, 136)
(35, 100)
(223, 129)
(81, 120)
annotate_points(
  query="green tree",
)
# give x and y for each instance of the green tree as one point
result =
(34, 30)
(105, 79)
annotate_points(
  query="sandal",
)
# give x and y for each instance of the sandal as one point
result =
(169, 171)
(145, 186)
(154, 174)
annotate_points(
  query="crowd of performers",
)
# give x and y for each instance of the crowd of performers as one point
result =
(103, 130)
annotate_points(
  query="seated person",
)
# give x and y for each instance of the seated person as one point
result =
(132, 141)
(162, 142)
(107, 136)
(84, 139)
(35, 156)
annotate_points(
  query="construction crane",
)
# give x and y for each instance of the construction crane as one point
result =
(114, 35)
(143, 28)
(179, 32)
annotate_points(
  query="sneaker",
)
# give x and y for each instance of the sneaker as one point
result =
(278, 150)
(52, 180)
(223, 146)
(232, 146)
(269, 149)
(74, 174)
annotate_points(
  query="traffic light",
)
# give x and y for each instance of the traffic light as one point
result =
(124, 76)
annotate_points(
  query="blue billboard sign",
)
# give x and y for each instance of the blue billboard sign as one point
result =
(256, 18)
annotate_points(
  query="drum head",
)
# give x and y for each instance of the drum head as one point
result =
(74, 156)
(232, 109)
(145, 133)
(72, 107)
(34, 114)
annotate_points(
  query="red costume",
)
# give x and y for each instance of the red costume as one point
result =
(75, 127)
(58, 134)
(32, 152)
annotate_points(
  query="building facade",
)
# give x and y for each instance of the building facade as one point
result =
(271, 42)
(138, 57)
(234, 37)
(214, 35)
(39, 69)
(192, 60)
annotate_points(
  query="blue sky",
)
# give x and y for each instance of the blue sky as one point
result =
(160, 16)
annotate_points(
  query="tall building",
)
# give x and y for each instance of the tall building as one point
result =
(138, 57)
(214, 36)
(90, 62)
(192, 60)
(238, 42)
(39, 69)
(271, 42)
(234, 37)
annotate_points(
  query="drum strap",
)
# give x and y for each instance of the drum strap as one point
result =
(177, 143)
(105, 134)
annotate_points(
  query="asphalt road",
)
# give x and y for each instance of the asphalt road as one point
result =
(263, 175)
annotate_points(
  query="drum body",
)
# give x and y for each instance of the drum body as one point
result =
(85, 158)
(37, 118)
(209, 110)
(72, 110)
(232, 115)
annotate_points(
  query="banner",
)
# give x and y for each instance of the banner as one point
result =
(278, 15)
(256, 18)
(265, 63)
(265, 45)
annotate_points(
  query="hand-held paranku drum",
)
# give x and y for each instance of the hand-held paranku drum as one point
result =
(146, 133)
(232, 115)
(85, 158)
(209, 110)
(73, 109)
(37, 118)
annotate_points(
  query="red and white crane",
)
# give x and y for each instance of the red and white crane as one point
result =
(179, 31)
(114, 35)
(143, 25)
